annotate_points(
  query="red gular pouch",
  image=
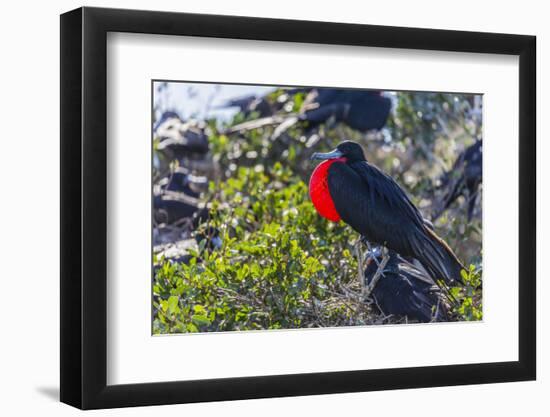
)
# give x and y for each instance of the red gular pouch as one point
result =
(319, 192)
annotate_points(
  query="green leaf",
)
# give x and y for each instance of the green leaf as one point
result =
(200, 320)
(199, 309)
(172, 304)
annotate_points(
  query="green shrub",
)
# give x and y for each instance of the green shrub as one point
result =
(280, 265)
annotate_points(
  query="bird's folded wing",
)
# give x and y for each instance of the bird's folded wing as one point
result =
(374, 205)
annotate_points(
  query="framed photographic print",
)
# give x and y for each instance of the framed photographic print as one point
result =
(256, 208)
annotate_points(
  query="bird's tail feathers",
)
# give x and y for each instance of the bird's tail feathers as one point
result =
(440, 260)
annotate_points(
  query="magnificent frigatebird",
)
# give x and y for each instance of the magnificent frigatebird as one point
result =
(172, 207)
(362, 110)
(349, 188)
(463, 179)
(405, 290)
(176, 197)
(182, 180)
(359, 109)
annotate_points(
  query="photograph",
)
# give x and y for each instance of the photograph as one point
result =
(290, 207)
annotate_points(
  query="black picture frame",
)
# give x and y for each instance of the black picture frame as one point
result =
(84, 207)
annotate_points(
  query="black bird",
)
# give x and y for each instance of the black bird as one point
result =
(170, 207)
(347, 187)
(362, 110)
(405, 289)
(463, 179)
(181, 180)
(176, 197)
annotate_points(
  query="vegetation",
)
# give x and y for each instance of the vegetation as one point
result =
(283, 266)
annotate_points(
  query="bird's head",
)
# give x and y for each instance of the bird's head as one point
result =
(348, 149)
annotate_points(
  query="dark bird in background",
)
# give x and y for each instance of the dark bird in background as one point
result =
(180, 139)
(176, 217)
(463, 179)
(170, 207)
(359, 109)
(362, 110)
(176, 197)
(405, 289)
(349, 188)
(183, 181)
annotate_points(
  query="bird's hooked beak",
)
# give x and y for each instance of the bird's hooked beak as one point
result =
(329, 155)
